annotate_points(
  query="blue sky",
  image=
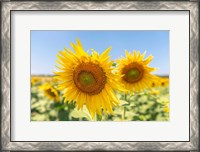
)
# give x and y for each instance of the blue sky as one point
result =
(45, 46)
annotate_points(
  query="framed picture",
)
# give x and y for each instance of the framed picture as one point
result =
(110, 75)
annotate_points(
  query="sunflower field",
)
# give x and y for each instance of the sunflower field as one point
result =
(90, 86)
(47, 104)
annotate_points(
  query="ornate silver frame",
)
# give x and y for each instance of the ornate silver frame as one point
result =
(8, 6)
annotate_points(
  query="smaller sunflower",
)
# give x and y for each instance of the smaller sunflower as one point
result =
(34, 80)
(50, 92)
(155, 83)
(166, 107)
(135, 72)
(164, 82)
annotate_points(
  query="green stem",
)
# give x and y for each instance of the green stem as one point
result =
(125, 97)
(124, 109)
(98, 118)
(124, 113)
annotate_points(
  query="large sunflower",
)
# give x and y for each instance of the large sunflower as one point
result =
(87, 79)
(136, 74)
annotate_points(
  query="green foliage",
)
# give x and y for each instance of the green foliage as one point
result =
(146, 106)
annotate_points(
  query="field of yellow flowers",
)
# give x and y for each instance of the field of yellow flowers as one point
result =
(47, 103)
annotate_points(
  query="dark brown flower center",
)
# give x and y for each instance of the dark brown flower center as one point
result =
(51, 93)
(89, 78)
(162, 83)
(133, 72)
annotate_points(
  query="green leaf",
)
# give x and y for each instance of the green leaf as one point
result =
(133, 104)
(123, 102)
(81, 114)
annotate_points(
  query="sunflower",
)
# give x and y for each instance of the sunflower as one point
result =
(136, 74)
(34, 80)
(155, 83)
(164, 82)
(50, 92)
(166, 109)
(166, 106)
(87, 79)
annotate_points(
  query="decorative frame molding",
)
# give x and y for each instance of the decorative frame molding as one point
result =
(8, 6)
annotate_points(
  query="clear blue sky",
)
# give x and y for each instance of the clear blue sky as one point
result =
(45, 46)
